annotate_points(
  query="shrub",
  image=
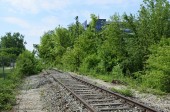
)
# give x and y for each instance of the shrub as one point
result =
(7, 97)
(117, 72)
(27, 64)
(72, 59)
(125, 92)
(158, 67)
(89, 63)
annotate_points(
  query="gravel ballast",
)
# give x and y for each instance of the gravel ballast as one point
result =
(161, 103)
(40, 93)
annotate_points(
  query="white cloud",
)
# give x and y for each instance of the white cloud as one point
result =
(105, 3)
(35, 6)
(34, 29)
(17, 21)
(51, 20)
(23, 5)
(54, 4)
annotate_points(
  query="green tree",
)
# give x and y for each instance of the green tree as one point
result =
(85, 44)
(53, 45)
(46, 48)
(12, 43)
(148, 28)
(154, 21)
(75, 30)
(135, 51)
(112, 49)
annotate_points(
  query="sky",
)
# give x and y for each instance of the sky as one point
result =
(32, 18)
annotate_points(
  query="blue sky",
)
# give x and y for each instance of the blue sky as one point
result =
(34, 17)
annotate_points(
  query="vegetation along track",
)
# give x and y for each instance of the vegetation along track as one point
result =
(94, 98)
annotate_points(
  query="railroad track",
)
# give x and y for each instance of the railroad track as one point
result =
(97, 99)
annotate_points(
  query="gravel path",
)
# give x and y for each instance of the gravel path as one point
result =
(29, 99)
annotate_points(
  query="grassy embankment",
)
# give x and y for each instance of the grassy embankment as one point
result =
(129, 82)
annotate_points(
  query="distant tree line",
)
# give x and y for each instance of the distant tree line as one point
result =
(143, 55)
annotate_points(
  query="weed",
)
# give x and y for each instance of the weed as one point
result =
(125, 92)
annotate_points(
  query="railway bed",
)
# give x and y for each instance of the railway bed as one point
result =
(94, 98)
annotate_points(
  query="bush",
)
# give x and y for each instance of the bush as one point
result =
(157, 80)
(7, 89)
(117, 72)
(89, 63)
(125, 92)
(27, 64)
(158, 67)
(72, 59)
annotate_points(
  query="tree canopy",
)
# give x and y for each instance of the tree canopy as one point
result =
(11, 45)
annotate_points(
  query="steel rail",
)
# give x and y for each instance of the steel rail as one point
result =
(134, 103)
(75, 95)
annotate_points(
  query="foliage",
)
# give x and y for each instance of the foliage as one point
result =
(125, 49)
(158, 67)
(117, 72)
(111, 49)
(90, 63)
(7, 90)
(12, 49)
(27, 64)
(46, 48)
(12, 45)
(154, 20)
(73, 58)
(125, 92)
(148, 27)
